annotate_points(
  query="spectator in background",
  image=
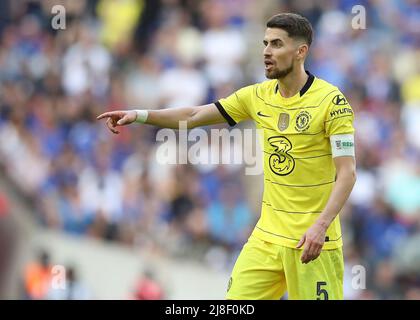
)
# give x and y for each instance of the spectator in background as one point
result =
(86, 65)
(74, 288)
(119, 19)
(148, 288)
(7, 244)
(385, 282)
(74, 218)
(229, 218)
(100, 187)
(222, 61)
(37, 277)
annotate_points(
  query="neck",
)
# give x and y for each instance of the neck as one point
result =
(292, 83)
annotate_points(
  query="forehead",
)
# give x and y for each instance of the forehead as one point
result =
(276, 33)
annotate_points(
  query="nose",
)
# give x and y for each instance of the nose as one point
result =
(267, 51)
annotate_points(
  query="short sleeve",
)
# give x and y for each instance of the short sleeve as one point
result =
(235, 107)
(340, 116)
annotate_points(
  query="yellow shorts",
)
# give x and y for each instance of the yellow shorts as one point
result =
(266, 271)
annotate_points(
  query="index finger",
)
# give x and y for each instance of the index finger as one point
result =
(305, 258)
(106, 115)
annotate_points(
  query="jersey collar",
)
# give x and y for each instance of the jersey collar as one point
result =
(305, 87)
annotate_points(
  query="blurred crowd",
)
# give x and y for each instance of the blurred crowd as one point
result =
(113, 54)
(43, 279)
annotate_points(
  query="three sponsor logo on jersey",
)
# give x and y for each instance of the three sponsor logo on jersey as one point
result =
(280, 161)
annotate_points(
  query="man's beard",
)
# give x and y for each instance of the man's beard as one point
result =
(279, 74)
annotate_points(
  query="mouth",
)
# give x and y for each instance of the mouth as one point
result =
(268, 64)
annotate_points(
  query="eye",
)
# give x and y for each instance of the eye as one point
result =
(277, 43)
(265, 43)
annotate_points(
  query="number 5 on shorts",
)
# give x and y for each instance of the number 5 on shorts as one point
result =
(320, 291)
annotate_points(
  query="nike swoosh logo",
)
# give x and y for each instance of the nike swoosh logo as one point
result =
(262, 115)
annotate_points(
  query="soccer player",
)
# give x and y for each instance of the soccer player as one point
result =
(309, 168)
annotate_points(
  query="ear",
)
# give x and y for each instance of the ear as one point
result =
(302, 51)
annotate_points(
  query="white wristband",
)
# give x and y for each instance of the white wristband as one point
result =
(141, 116)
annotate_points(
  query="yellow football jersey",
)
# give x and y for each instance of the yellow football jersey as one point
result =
(299, 171)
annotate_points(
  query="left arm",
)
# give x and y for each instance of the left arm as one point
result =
(315, 236)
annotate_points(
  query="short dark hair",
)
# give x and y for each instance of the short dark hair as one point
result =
(294, 24)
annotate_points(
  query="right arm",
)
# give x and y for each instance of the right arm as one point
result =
(167, 118)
